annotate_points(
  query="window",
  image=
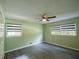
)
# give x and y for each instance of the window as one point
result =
(13, 30)
(68, 29)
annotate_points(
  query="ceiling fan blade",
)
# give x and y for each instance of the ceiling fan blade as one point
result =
(52, 17)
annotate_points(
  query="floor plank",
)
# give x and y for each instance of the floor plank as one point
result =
(42, 51)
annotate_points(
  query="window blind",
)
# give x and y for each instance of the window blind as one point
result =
(13, 30)
(67, 29)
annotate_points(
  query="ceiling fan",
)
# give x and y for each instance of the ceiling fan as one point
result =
(45, 17)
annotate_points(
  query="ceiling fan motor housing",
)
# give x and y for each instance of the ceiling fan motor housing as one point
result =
(45, 17)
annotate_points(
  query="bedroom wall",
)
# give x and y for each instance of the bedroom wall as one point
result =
(31, 33)
(62, 40)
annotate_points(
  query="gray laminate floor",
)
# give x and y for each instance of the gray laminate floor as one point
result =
(42, 51)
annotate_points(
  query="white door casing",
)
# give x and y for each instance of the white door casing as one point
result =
(1, 33)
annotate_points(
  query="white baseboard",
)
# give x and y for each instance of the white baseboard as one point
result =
(23, 47)
(63, 46)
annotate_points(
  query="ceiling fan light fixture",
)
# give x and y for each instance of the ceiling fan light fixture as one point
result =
(44, 20)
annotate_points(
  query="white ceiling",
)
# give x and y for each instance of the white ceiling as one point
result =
(33, 9)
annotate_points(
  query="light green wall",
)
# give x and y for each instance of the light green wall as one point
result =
(31, 33)
(66, 41)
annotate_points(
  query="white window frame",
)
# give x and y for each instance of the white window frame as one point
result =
(13, 30)
(67, 29)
